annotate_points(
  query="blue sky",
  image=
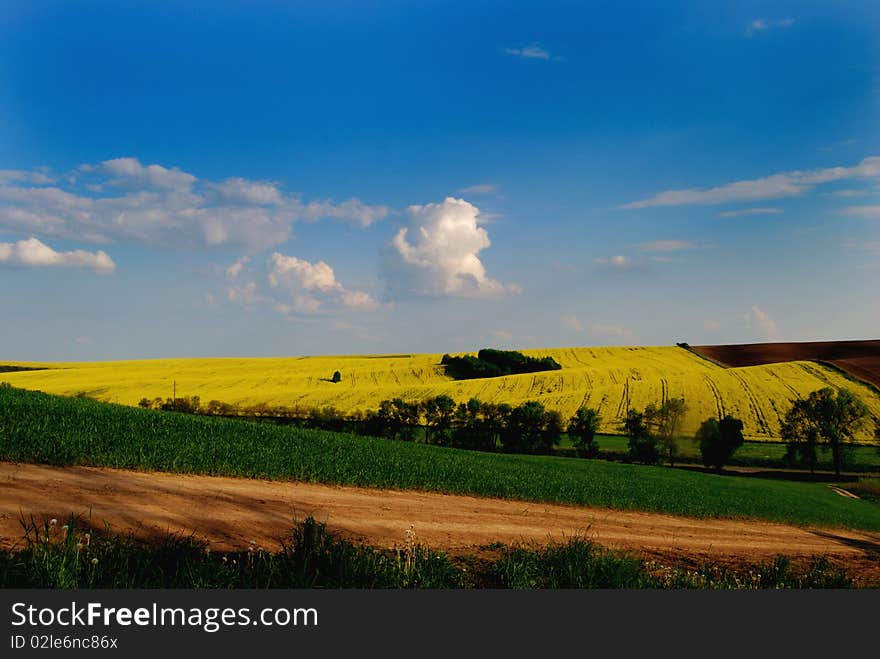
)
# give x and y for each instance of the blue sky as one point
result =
(273, 178)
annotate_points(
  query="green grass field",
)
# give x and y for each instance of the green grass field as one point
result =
(43, 428)
(752, 454)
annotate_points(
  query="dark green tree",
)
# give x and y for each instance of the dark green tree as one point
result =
(524, 430)
(719, 440)
(642, 444)
(439, 414)
(582, 428)
(665, 421)
(337, 376)
(827, 419)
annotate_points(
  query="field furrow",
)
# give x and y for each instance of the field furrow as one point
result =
(606, 378)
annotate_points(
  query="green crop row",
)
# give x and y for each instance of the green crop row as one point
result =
(37, 427)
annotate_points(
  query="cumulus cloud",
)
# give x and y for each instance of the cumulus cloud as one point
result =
(751, 211)
(32, 253)
(437, 253)
(776, 186)
(124, 200)
(309, 286)
(760, 320)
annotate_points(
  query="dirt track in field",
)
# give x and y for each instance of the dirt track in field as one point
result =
(858, 358)
(232, 512)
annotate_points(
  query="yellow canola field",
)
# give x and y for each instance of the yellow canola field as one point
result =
(604, 378)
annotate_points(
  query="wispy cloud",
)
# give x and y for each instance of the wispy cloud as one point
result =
(763, 25)
(532, 51)
(868, 212)
(667, 246)
(618, 262)
(479, 189)
(572, 323)
(851, 192)
(615, 331)
(775, 186)
(751, 211)
(760, 320)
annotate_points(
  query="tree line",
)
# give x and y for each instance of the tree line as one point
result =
(490, 363)
(826, 420)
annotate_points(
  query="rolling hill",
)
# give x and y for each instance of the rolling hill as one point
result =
(608, 379)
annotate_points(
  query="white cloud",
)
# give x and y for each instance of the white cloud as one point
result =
(233, 271)
(850, 192)
(751, 211)
(242, 191)
(618, 262)
(776, 186)
(245, 293)
(759, 319)
(763, 25)
(868, 212)
(532, 51)
(160, 205)
(438, 253)
(34, 254)
(309, 286)
(22, 176)
(479, 189)
(667, 245)
(352, 210)
(502, 336)
(572, 323)
(130, 170)
(615, 331)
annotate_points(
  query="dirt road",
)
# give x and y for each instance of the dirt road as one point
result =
(230, 512)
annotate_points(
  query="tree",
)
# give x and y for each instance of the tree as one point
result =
(439, 413)
(582, 428)
(473, 426)
(719, 440)
(642, 444)
(551, 431)
(665, 420)
(524, 431)
(825, 419)
(337, 376)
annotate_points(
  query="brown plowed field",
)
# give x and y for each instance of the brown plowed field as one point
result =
(232, 512)
(860, 359)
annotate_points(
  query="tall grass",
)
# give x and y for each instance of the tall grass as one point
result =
(56, 556)
(37, 427)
